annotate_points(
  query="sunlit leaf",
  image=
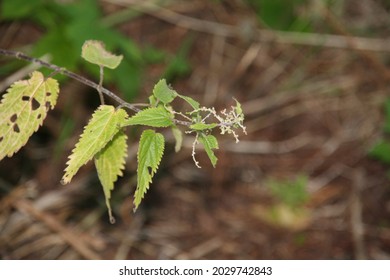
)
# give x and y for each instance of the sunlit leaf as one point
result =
(150, 152)
(23, 109)
(102, 127)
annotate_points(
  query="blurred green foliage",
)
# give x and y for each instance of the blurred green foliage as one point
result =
(281, 14)
(68, 24)
(381, 150)
(291, 192)
(179, 65)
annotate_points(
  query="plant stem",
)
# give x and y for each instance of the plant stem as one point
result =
(101, 68)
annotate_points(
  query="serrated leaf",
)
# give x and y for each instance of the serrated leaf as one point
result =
(202, 126)
(209, 143)
(109, 163)
(163, 92)
(102, 127)
(178, 135)
(155, 117)
(194, 104)
(150, 152)
(23, 109)
(95, 52)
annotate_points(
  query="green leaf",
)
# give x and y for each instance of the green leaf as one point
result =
(163, 92)
(178, 135)
(23, 109)
(202, 126)
(194, 104)
(95, 52)
(109, 163)
(238, 108)
(155, 117)
(209, 142)
(150, 152)
(102, 127)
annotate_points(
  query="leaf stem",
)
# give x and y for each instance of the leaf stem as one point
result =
(101, 68)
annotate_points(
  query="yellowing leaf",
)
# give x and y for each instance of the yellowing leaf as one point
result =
(102, 127)
(150, 152)
(209, 142)
(95, 52)
(163, 93)
(23, 109)
(155, 117)
(109, 163)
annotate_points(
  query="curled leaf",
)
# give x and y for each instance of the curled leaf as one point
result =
(95, 52)
(163, 92)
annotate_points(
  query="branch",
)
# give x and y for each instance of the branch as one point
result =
(81, 79)
(70, 74)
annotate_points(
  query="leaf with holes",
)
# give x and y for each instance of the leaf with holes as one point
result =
(150, 152)
(109, 163)
(163, 92)
(155, 117)
(209, 142)
(95, 52)
(102, 127)
(23, 109)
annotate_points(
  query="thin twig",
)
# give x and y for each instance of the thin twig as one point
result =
(18, 75)
(101, 77)
(65, 233)
(70, 74)
(79, 78)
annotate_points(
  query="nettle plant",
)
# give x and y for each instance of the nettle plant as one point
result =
(26, 103)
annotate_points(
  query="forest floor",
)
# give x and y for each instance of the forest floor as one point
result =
(299, 185)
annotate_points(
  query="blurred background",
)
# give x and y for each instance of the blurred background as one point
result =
(309, 181)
